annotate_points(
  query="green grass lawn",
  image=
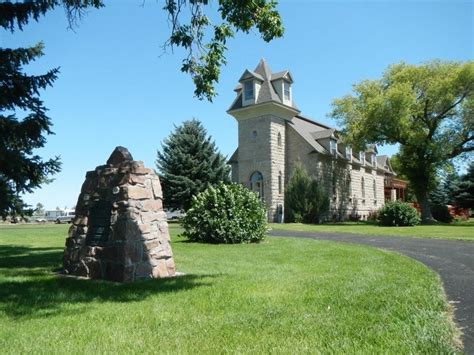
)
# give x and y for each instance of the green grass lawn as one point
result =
(457, 231)
(283, 295)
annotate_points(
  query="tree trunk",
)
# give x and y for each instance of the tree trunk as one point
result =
(422, 198)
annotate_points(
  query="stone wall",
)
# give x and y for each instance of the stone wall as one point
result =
(120, 232)
(340, 178)
(259, 151)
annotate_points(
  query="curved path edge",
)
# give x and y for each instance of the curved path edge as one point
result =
(453, 260)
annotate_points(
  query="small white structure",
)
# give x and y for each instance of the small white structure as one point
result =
(60, 216)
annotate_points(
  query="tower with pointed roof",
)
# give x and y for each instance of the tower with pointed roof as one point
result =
(274, 136)
(262, 107)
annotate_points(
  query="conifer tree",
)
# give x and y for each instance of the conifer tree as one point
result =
(20, 169)
(463, 190)
(188, 163)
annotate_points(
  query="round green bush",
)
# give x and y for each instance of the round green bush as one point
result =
(398, 214)
(225, 214)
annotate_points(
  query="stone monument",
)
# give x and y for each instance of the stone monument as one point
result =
(120, 232)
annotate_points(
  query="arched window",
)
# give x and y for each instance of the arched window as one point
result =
(256, 183)
(279, 139)
(280, 188)
(349, 186)
(375, 190)
(362, 186)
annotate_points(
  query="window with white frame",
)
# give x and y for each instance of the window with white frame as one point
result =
(375, 190)
(333, 146)
(286, 90)
(348, 153)
(248, 90)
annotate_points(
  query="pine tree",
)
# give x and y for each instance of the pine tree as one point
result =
(20, 169)
(463, 191)
(188, 164)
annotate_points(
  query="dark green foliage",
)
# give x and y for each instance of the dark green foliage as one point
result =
(192, 30)
(306, 200)
(226, 214)
(440, 212)
(398, 214)
(19, 13)
(206, 55)
(428, 109)
(20, 169)
(188, 163)
(463, 190)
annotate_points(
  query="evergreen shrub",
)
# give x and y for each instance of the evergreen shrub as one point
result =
(306, 200)
(399, 214)
(226, 213)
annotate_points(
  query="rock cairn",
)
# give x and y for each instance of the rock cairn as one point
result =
(119, 232)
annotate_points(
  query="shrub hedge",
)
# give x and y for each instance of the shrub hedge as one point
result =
(226, 214)
(397, 213)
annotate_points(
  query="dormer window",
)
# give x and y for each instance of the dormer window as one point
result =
(349, 153)
(286, 90)
(333, 146)
(249, 93)
(362, 157)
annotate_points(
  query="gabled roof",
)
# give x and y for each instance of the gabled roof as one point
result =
(282, 75)
(327, 133)
(371, 148)
(234, 157)
(305, 128)
(267, 92)
(250, 74)
(383, 162)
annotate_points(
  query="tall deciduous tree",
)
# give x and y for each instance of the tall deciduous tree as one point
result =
(188, 163)
(22, 171)
(427, 109)
(190, 23)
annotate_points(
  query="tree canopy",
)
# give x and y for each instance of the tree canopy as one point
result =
(428, 109)
(191, 28)
(20, 169)
(188, 163)
(462, 192)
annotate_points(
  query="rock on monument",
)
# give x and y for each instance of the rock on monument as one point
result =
(120, 232)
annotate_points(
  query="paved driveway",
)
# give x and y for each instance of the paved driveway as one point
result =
(452, 260)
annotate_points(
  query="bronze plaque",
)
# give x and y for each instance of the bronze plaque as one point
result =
(99, 223)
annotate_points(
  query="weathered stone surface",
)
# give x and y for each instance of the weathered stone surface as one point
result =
(152, 205)
(120, 231)
(137, 192)
(160, 270)
(155, 183)
(119, 156)
(137, 179)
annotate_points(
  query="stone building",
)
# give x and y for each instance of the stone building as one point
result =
(274, 136)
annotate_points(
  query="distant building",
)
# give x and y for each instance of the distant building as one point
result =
(274, 136)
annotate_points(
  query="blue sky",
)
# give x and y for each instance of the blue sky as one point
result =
(115, 87)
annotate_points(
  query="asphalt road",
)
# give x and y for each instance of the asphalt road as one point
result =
(453, 260)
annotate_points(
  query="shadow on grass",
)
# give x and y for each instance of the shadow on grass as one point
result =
(42, 294)
(13, 256)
